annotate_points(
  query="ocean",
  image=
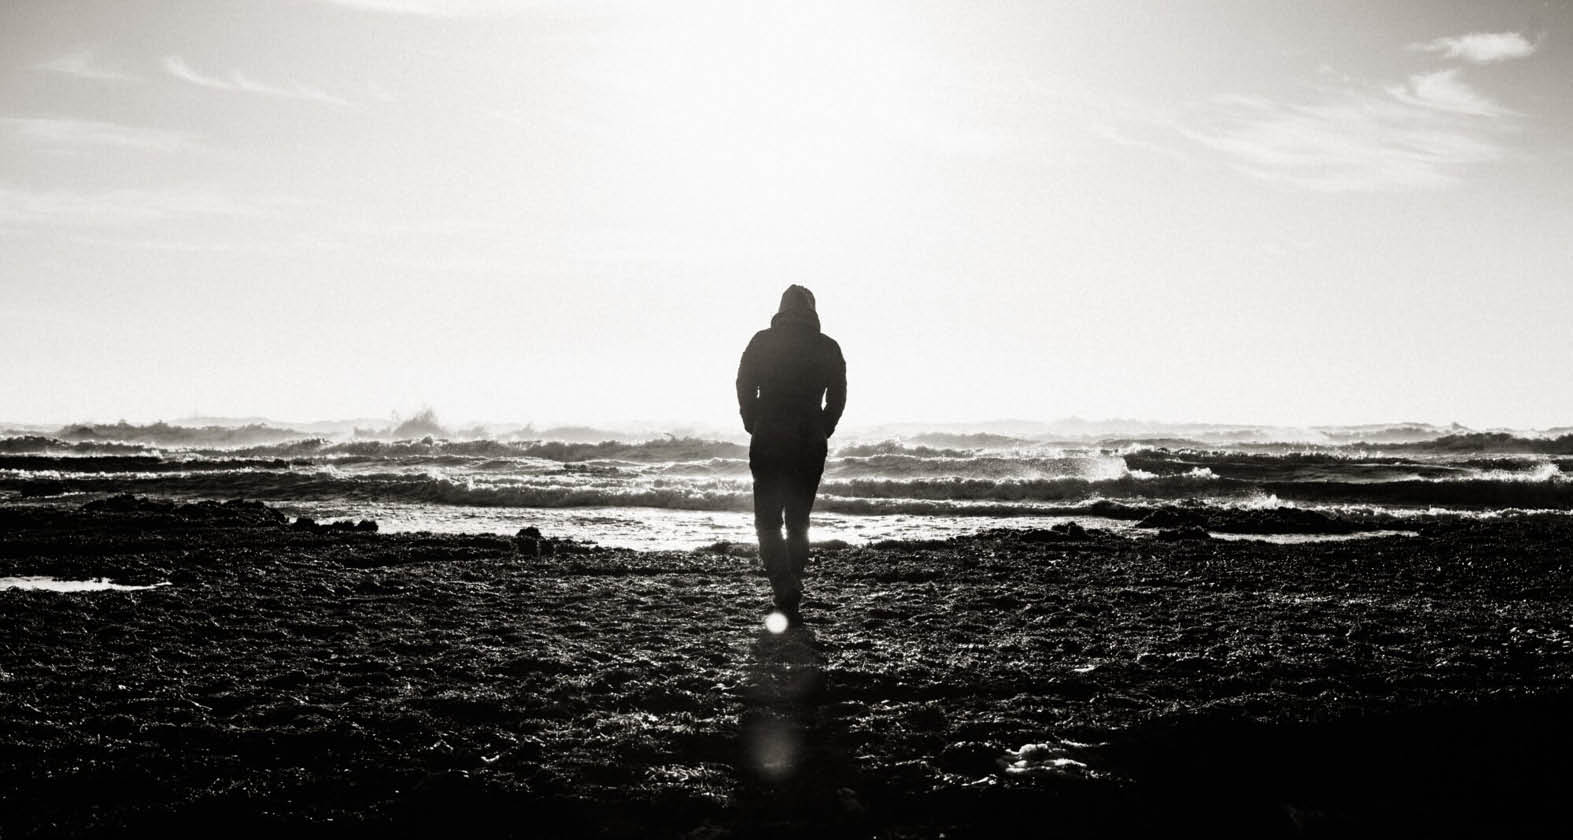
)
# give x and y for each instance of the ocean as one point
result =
(687, 493)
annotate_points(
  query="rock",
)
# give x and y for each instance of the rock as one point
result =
(1287, 520)
(367, 525)
(532, 544)
(529, 542)
(1057, 533)
(305, 523)
(127, 503)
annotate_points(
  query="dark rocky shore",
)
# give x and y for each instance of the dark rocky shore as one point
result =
(335, 681)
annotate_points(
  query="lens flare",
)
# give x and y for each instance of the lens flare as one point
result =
(773, 746)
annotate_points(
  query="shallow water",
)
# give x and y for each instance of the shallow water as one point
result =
(678, 494)
(1288, 539)
(662, 529)
(50, 584)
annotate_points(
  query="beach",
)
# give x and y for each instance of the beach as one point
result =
(284, 676)
(404, 401)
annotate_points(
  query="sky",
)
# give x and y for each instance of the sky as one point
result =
(1244, 211)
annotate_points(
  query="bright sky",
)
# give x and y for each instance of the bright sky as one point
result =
(1253, 211)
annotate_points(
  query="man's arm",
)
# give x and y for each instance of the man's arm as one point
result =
(835, 390)
(748, 385)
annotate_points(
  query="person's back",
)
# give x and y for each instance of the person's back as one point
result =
(791, 389)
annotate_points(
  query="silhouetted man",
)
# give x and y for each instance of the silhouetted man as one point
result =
(791, 389)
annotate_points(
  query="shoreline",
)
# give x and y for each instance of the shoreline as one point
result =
(333, 681)
(665, 529)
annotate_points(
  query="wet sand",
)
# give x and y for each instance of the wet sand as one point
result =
(332, 682)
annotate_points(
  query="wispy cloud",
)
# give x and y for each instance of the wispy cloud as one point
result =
(1444, 91)
(1424, 132)
(83, 65)
(62, 133)
(238, 83)
(1423, 135)
(1480, 47)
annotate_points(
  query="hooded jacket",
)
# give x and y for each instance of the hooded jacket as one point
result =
(792, 382)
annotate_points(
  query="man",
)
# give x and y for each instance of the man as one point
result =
(791, 389)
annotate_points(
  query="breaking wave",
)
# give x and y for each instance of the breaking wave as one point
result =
(726, 496)
(912, 478)
(1489, 442)
(893, 465)
(660, 450)
(571, 490)
(1049, 489)
(41, 444)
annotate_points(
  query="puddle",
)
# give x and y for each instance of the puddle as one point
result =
(1293, 539)
(50, 584)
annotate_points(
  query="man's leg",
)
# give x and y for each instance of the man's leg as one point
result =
(769, 501)
(802, 485)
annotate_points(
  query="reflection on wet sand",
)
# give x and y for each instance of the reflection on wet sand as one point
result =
(792, 763)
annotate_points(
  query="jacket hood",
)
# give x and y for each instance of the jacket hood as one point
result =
(797, 307)
(796, 298)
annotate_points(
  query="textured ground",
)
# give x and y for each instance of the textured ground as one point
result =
(333, 682)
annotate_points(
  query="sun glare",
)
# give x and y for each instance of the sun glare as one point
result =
(791, 115)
